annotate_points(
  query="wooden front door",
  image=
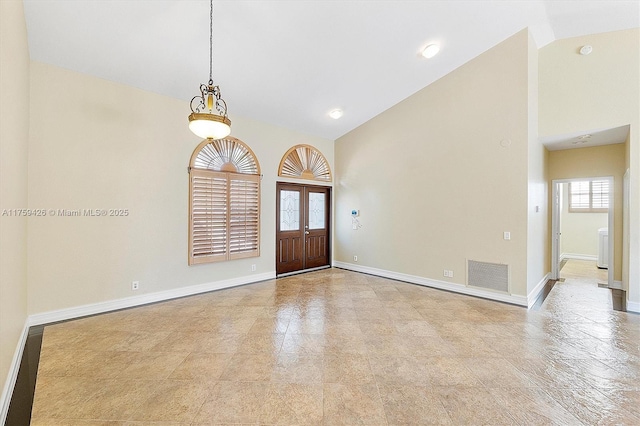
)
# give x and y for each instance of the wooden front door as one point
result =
(302, 227)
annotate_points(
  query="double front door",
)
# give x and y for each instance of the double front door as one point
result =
(302, 227)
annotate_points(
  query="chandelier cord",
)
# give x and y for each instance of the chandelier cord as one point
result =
(211, 44)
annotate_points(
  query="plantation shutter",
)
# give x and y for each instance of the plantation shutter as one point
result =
(244, 217)
(224, 202)
(589, 196)
(209, 218)
(600, 194)
(579, 196)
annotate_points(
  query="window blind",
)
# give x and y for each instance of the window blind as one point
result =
(589, 196)
(225, 216)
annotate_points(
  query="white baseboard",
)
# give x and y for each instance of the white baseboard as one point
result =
(616, 285)
(130, 302)
(578, 256)
(14, 367)
(533, 294)
(633, 307)
(442, 285)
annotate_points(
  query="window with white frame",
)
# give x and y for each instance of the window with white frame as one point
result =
(224, 202)
(589, 196)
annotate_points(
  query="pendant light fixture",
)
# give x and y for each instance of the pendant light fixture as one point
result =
(208, 118)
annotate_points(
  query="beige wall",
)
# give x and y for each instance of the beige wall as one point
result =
(14, 137)
(579, 230)
(97, 144)
(599, 161)
(433, 184)
(601, 90)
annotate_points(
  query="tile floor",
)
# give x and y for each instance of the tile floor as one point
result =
(340, 348)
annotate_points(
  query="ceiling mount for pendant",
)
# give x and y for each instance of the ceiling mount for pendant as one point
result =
(208, 118)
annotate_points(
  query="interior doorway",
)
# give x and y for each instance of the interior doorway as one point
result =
(583, 197)
(303, 227)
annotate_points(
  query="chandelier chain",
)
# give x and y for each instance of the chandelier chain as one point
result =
(211, 43)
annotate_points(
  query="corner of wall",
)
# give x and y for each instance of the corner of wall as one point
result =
(14, 140)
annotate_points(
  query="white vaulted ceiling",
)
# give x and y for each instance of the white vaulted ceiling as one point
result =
(291, 62)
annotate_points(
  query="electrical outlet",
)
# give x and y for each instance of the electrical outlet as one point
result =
(355, 258)
(445, 273)
(135, 285)
(450, 274)
(253, 267)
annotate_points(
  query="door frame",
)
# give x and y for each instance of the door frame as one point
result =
(303, 221)
(556, 230)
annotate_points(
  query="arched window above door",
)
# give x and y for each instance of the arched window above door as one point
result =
(305, 162)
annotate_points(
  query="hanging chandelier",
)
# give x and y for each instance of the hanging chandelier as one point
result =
(208, 118)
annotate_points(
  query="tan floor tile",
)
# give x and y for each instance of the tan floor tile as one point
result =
(628, 400)
(293, 404)
(412, 405)
(496, 372)
(257, 367)
(152, 365)
(533, 406)
(448, 372)
(345, 343)
(270, 325)
(201, 366)
(347, 368)
(130, 341)
(352, 404)
(254, 343)
(295, 368)
(303, 343)
(399, 370)
(592, 407)
(173, 400)
(233, 402)
(57, 397)
(418, 328)
(116, 400)
(472, 406)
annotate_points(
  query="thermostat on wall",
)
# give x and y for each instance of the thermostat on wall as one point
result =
(355, 213)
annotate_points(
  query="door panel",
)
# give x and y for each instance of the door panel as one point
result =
(316, 224)
(289, 229)
(302, 227)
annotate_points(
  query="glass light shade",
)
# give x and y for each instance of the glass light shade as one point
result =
(209, 126)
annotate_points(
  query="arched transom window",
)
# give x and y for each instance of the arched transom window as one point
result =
(224, 202)
(305, 162)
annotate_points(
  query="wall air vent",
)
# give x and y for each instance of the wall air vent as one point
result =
(492, 276)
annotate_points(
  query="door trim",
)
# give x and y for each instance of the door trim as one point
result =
(555, 225)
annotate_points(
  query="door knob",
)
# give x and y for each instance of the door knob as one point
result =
(306, 232)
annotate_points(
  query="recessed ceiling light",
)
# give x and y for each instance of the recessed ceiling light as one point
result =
(430, 51)
(586, 49)
(336, 113)
(587, 136)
